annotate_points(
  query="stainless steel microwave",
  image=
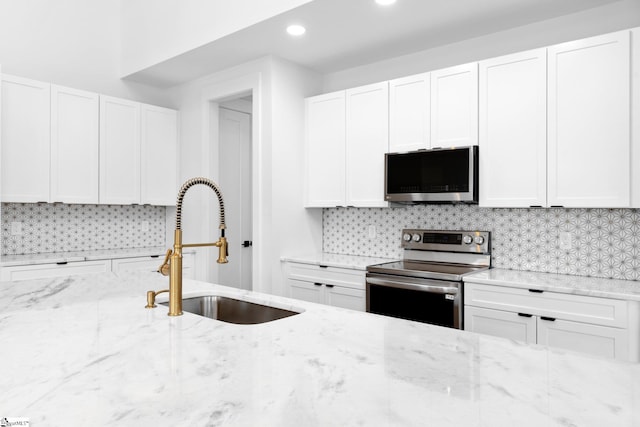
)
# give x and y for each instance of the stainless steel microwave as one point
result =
(443, 175)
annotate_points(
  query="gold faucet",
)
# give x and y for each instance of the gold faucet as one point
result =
(172, 265)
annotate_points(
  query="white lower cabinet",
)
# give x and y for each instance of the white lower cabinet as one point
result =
(498, 323)
(338, 287)
(117, 265)
(593, 325)
(585, 338)
(46, 271)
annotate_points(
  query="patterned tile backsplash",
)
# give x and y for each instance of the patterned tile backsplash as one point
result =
(605, 242)
(63, 228)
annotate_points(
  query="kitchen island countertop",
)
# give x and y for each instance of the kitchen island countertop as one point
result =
(82, 351)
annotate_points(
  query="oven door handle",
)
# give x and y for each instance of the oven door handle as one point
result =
(436, 289)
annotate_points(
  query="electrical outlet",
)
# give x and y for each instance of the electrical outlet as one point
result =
(372, 231)
(16, 228)
(144, 226)
(566, 241)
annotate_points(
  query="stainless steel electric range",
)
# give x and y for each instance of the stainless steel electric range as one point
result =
(426, 285)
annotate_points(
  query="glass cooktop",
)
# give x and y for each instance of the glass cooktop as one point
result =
(426, 269)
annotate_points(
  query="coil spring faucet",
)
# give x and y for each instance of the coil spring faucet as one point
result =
(172, 265)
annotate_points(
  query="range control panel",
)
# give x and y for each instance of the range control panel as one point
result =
(477, 242)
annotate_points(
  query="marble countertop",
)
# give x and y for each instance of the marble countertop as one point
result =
(337, 260)
(82, 351)
(579, 285)
(93, 255)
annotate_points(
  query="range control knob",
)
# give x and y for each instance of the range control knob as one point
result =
(478, 240)
(406, 237)
(466, 239)
(416, 237)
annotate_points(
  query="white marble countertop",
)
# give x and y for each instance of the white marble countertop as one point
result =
(579, 285)
(93, 255)
(337, 260)
(82, 351)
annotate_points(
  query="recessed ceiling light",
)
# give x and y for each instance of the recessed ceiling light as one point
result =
(385, 2)
(296, 30)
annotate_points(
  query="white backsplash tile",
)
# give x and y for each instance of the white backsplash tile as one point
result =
(63, 228)
(605, 242)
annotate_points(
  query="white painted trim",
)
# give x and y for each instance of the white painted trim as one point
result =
(635, 118)
(253, 83)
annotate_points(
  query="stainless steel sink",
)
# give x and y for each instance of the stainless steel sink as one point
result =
(232, 310)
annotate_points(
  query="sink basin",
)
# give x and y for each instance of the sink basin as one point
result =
(232, 310)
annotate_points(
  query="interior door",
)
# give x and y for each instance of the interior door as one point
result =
(235, 183)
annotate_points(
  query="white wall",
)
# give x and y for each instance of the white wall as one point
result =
(295, 228)
(615, 16)
(157, 30)
(281, 224)
(73, 43)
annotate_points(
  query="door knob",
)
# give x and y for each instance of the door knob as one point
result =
(247, 243)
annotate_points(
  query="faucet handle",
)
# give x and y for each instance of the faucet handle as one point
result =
(223, 250)
(165, 268)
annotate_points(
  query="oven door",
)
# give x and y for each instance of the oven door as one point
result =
(429, 301)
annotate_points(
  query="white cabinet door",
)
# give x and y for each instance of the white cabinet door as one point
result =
(409, 113)
(325, 150)
(338, 296)
(367, 143)
(159, 155)
(119, 151)
(505, 324)
(74, 145)
(513, 126)
(588, 117)
(635, 118)
(306, 291)
(454, 106)
(584, 338)
(26, 123)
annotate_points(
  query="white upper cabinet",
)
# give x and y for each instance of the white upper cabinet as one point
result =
(159, 155)
(409, 113)
(74, 145)
(454, 106)
(367, 143)
(635, 115)
(119, 151)
(325, 150)
(26, 124)
(513, 130)
(588, 122)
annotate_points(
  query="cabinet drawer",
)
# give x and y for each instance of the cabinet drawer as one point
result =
(328, 275)
(44, 271)
(599, 311)
(136, 264)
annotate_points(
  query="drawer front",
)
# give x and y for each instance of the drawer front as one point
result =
(599, 311)
(136, 264)
(44, 271)
(328, 275)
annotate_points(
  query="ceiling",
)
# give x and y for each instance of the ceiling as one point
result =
(343, 34)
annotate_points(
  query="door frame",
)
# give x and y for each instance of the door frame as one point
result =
(211, 96)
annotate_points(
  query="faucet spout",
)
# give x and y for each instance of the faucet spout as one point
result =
(172, 265)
